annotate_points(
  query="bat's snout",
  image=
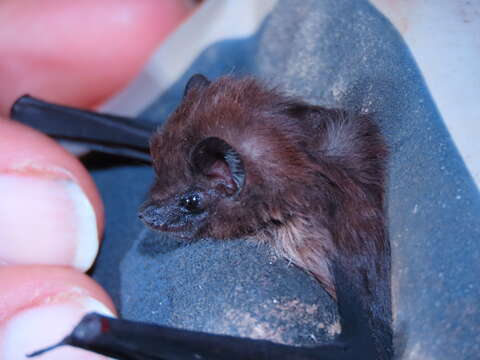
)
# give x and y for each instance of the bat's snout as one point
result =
(167, 218)
(152, 216)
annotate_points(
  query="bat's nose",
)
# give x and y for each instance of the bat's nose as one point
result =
(151, 215)
(163, 218)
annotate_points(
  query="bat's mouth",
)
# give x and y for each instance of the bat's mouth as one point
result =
(174, 228)
(183, 232)
(167, 228)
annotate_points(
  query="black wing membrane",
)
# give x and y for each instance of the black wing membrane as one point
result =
(105, 133)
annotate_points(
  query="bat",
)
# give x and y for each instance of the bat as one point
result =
(238, 159)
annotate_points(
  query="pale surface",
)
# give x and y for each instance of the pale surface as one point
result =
(443, 37)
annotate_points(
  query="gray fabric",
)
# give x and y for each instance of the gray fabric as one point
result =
(337, 53)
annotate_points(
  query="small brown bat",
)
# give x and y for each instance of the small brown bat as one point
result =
(237, 159)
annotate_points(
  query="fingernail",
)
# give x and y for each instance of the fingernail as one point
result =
(36, 328)
(46, 220)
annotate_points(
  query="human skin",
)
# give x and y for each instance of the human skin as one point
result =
(51, 223)
(79, 52)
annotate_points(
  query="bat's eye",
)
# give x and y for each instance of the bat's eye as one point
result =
(191, 202)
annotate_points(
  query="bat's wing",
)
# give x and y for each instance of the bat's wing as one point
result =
(100, 132)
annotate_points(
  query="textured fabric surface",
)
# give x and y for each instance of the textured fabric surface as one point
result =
(336, 53)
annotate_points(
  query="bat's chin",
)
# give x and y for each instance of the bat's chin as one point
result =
(185, 235)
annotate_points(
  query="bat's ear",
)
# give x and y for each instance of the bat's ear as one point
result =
(220, 163)
(197, 81)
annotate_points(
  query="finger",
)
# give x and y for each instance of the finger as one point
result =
(39, 305)
(79, 52)
(51, 210)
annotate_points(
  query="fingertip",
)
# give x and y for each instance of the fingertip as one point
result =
(39, 306)
(33, 285)
(35, 328)
(26, 150)
(51, 210)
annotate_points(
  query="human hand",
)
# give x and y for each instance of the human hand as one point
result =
(51, 215)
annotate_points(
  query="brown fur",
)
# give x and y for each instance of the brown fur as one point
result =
(313, 187)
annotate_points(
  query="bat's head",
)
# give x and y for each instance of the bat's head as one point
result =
(236, 158)
(186, 203)
(213, 175)
(220, 162)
